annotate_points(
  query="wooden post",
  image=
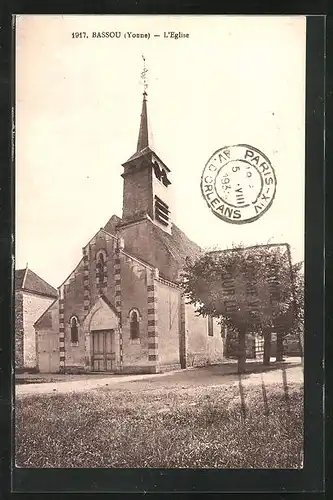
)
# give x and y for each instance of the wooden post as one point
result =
(267, 347)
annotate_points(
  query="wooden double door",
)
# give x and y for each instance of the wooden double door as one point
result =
(48, 357)
(103, 350)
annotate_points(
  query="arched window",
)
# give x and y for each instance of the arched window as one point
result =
(74, 330)
(134, 325)
(100, 267)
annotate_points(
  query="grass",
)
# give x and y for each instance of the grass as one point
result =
(164, 427)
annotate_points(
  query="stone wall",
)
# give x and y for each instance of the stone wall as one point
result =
(79, 288)
(33, 307)
(19, 349)
(168, 318)
(134, 282)
(201, 349)
(47, 339)
(74, 306)
(151, 248)
(137, 193)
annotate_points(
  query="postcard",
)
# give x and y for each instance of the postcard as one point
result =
(160, 220)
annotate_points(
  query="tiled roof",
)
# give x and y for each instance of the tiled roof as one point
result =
(19, 276)
(27, 280)
(179, 245)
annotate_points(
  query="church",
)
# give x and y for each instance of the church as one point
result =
(122, 310)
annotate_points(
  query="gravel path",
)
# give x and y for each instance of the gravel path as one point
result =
(291, 371)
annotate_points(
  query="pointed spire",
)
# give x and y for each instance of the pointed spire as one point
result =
(143, 139)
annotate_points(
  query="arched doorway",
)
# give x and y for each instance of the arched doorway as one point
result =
(102, 337)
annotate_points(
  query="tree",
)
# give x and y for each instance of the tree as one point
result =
(249, 289)
(297, 327)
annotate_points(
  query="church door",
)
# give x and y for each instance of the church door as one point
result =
(103, 355)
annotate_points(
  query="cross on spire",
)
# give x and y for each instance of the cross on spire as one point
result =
(144, 76)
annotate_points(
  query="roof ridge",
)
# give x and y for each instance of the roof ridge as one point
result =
(24, 276)
(109, 234)
(137, 259)
(72, 272)
(46, 310)
(108, 303)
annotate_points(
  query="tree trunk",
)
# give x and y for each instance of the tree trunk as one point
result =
(241, 351)
(224, 336)
(279, 347)
(225, 347)
(267, 348)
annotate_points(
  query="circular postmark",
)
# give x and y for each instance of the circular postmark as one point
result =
(238, 183)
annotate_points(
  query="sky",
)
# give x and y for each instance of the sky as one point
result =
(234, 80)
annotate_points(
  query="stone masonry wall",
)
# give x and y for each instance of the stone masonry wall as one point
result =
(137, 193)
(19, 329)
(134, 296)
(33, 307)
(47, 338)
(201, 348)
(168, 317)
(81, 291)
(155, 253)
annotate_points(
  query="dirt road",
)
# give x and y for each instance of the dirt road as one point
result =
(288, 372)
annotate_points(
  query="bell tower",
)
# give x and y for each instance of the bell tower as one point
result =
(146, 191)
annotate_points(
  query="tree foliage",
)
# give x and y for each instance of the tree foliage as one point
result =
(298, 310)
(268, 293)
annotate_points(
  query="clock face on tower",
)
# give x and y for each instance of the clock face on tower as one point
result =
(161, 174)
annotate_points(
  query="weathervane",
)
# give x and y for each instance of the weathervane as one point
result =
(144, 75)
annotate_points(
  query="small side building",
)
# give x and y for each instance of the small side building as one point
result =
(33, 296)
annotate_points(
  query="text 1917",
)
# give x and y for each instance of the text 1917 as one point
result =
(79, 34)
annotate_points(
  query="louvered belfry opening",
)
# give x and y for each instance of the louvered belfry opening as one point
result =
(161, 211)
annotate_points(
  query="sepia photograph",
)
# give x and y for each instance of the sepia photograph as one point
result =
(159, 241)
